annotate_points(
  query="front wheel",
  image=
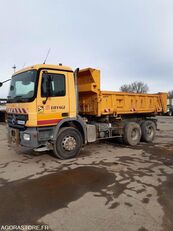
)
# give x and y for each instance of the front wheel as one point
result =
(68, 143)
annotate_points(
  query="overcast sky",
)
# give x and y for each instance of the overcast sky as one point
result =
(129, 40)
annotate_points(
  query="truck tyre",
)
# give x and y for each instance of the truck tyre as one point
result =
(68, 143)
(148, 129)
(132, 134)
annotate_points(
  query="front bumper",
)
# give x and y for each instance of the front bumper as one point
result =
(37, 136)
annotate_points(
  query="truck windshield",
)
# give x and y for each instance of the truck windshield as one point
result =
(22, 88)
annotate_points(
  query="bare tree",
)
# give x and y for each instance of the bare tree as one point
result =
(136, 87)
(170, 94)
(126, 88)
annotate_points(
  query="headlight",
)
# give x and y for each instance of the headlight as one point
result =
(26, 136)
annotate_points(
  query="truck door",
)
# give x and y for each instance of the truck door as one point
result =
(55, 106)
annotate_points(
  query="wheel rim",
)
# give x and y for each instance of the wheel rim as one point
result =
(150, 131)
(69, 143)
(134, 134)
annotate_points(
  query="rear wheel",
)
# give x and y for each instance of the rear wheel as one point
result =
(132, 134)
(68, 143)
(148, 131)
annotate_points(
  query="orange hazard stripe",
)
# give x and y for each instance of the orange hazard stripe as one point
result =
(43, 122)
(17, 110)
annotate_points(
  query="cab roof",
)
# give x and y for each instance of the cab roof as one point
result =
(42, 66)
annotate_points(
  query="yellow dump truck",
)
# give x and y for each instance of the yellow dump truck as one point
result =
(54, 107)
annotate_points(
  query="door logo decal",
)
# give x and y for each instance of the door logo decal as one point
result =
(40, 109)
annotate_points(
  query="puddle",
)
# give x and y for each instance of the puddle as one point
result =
(25, 202)
(165, 192)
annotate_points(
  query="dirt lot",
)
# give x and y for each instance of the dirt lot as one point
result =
(108, 187)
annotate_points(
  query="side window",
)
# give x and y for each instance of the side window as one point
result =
(57, 85)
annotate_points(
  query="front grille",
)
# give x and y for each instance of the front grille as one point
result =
(12, 120)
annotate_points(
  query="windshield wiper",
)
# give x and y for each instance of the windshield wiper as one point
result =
(16, 98)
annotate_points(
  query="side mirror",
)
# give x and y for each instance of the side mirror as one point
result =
(48, 85)
(48, 88)
(1, 84)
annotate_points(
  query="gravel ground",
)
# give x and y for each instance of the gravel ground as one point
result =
(108, 187)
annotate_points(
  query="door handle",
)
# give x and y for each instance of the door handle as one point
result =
(65, 114)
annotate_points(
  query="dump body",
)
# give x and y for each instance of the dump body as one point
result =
(93, 101)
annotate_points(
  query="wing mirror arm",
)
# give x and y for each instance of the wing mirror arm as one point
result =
(1, 83)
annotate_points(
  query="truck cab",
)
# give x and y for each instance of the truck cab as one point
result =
(40, 98)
